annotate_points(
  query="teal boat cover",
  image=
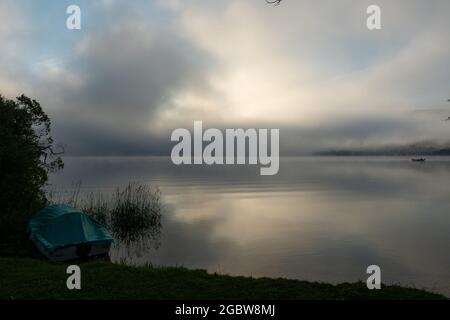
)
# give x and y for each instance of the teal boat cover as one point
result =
(58, 226)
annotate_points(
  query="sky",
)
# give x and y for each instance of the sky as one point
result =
(139, 69)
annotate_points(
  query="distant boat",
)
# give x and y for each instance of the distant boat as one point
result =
(62, 233)
(418, 159)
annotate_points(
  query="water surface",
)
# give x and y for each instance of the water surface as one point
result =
(320, 218)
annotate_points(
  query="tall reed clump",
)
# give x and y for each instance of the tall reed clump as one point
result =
(136, 208)
(131, 213)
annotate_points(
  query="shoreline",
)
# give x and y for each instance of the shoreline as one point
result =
(25, 278)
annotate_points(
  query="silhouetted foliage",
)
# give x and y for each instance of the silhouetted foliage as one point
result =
(27, 155)
(274, 2)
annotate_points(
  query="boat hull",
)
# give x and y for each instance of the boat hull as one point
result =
(72, 252)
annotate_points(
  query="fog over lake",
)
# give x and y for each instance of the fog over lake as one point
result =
(320, 218)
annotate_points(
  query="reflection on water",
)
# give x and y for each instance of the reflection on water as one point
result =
(320, 218)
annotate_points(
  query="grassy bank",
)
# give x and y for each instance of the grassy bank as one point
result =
(23, 278)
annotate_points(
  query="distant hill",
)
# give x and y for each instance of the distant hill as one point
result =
(425, 149)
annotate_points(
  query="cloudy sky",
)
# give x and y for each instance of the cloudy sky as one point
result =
(138, 69)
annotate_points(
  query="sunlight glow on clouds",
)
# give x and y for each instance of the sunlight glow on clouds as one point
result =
(308, 66)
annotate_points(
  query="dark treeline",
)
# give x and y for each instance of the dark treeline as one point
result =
(27, 155)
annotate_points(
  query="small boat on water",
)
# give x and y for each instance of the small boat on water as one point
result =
(418, 159)
(62, 233)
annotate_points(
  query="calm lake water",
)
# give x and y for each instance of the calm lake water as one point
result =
(320, 218)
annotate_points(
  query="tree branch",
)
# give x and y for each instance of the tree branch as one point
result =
(274, 2)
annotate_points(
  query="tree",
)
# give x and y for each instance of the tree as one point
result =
(274, 2)
(27, 155)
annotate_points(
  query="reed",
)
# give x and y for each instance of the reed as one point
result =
(131, 213)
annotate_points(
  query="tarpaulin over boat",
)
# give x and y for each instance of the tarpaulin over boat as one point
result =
(59, 226)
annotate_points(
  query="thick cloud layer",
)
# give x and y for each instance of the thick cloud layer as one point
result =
(123, 79)
(138, 69)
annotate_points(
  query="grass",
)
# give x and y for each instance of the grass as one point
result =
(24, 278)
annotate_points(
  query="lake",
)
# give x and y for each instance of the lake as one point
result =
(319, 219)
